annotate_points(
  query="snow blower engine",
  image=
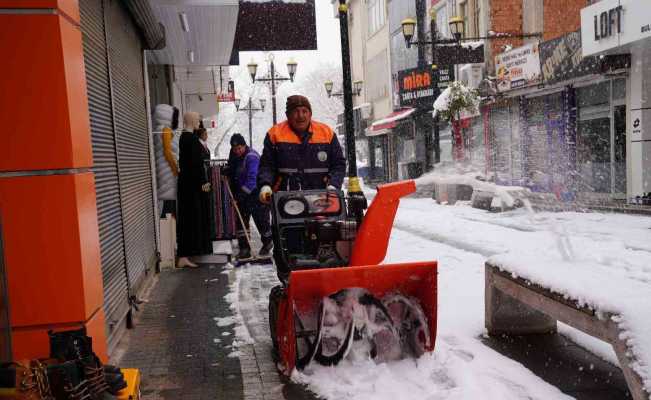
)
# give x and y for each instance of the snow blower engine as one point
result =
(337, 300)
(313, 230)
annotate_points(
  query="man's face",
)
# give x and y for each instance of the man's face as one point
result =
(299, 118)
(239, 149)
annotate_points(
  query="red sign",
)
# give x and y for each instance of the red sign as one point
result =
(225, 97)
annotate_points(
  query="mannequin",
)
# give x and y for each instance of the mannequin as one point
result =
(166, 120)
(193, 224)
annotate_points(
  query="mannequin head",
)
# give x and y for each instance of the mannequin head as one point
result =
(164, 116)
(191, 120)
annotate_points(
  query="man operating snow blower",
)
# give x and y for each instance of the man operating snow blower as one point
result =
(336, 300)
(299, 154)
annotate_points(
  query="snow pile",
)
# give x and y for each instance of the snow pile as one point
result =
(603, 282)
(462, 369)
(472, 45)
(507, 194)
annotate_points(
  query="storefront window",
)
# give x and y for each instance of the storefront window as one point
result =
(593, 154)
(601, 138)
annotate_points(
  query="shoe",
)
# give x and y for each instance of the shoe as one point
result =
(185, 262)
(244, 254)
(265, 251)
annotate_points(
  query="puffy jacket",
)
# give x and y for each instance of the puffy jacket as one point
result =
(246, 170)
(301, 160)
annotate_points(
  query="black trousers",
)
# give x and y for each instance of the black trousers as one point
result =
(250, 207)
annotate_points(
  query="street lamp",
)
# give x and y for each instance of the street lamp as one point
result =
(250, 110)
(408, 29)
(253, 69)
(272, 77)
(456, 27)
(357, 88)
(291, 68)
(328, 87)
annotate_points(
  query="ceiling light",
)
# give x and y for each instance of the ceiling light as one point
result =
(191, 56)
(184, 22)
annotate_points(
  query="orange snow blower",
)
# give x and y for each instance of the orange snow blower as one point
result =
(337, 299)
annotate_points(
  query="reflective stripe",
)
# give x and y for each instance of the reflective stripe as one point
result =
(287, 170)
(315, 170)
(246, 190)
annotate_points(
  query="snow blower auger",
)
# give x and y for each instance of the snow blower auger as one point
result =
(337, 301)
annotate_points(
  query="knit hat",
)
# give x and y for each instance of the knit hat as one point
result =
(296, 101)
(237, 140)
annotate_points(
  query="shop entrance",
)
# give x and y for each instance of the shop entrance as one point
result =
(601, 139)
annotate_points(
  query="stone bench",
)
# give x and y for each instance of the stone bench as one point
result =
(518, 306)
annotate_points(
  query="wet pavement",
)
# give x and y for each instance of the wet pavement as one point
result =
(562, 363)
(183, 353)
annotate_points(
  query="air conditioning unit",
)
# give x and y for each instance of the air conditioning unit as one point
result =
(471, 75)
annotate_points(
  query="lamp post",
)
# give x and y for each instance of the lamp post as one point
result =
(272, 77)
(457, 30)
(250, 110)
(356, 199)
(357, 88)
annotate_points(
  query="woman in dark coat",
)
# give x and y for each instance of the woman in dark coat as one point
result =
(193, 222)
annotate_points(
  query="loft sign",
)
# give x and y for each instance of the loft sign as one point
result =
(607, 23)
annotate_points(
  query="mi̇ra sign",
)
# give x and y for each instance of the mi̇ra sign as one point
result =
(421, 86)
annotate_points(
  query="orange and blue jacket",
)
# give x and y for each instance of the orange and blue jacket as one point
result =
(301, 160)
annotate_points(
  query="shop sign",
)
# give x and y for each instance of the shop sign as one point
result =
(421, 86)
(518, 68)
(609, 24)
(561, 59)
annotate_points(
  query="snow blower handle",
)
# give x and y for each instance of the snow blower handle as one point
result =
(265, 194)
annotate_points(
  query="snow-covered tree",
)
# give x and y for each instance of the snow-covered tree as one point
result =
(454, 100)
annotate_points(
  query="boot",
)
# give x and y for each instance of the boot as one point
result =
(62, 346)
(25, 383)
(67, 383)
(265, 251)
(244, 254)
(77, 347)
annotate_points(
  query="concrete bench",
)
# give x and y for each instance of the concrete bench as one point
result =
(518, 306)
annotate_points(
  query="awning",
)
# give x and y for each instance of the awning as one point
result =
(389, 122)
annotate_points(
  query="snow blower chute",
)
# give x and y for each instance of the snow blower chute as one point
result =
(337, 300)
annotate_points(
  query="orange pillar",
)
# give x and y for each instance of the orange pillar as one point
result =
(47, 192)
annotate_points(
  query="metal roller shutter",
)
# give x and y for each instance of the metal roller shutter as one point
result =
(501, 127)
(105, 167)
(132, 133)
(537, 151)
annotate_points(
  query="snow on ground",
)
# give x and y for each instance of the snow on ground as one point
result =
(597, 257)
